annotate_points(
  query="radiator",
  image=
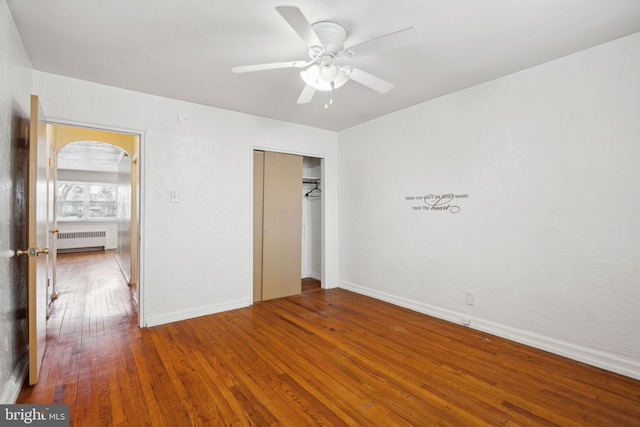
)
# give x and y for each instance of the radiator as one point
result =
(82, 241)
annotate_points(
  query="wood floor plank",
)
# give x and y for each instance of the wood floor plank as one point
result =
(325, 357)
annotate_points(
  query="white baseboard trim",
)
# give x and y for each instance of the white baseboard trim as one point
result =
(176, 316)
(331, 285)
(122, 270)
(11, 389)
(590, 356)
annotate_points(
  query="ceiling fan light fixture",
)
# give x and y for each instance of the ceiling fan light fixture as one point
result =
(328, 71)
(312, 77)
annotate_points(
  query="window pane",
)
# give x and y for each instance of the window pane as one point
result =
(103, 201)
(71, 210)
(82, 201)
(103, 193)
(70, 192)
(103, 210)
(70, 200)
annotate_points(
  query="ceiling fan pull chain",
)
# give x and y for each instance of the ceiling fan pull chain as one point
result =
(328, 97)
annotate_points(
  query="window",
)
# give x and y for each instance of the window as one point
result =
(86, 201)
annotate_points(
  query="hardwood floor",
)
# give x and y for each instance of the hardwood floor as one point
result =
(310, 285)
(325, 357)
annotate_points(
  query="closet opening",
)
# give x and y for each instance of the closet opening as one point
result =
(287, 224)
(311, 219)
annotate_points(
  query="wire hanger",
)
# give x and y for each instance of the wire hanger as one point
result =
(314, 190)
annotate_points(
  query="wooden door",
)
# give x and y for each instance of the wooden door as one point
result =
(38, 239)
(282, 225)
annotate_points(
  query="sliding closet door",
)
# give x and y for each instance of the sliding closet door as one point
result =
(282, 225)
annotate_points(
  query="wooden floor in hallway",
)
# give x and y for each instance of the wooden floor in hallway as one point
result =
(324, 357)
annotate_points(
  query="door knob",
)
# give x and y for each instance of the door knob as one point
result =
(54, 230)
(32, 252)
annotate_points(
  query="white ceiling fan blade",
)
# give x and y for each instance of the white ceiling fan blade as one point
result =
(306, 95)
(300, 25)
(271, 66)
(370, 81)
(390, 41)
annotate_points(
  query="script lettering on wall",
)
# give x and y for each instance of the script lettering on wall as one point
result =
(447, 202)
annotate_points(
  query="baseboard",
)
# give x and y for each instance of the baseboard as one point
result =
(330, 284)
(122, 270)
(11, 389)
(179, 315)
(590, 356)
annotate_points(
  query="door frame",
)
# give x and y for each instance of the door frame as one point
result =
(140, 209)
(323, 207)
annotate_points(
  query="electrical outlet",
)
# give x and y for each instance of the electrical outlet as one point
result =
(469, 298)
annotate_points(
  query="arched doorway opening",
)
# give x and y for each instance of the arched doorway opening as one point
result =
(97, 194)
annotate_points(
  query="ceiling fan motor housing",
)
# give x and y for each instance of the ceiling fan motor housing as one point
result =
(331, 35)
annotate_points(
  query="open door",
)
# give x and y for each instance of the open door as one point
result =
(38, 239)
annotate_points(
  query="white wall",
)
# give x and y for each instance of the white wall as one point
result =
(15, 91)
(548, 239)
(197, 254)
(87, 176)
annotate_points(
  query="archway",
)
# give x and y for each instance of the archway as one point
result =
(102, 168)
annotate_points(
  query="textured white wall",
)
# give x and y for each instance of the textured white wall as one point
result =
(15, 92)
(196, 253)
(548, 239)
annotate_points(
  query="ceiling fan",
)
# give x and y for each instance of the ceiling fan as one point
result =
(325, 45)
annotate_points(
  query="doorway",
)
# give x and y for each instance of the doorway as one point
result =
(287, 223)
(97, 196)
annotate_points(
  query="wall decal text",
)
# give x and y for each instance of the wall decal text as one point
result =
(447, 202)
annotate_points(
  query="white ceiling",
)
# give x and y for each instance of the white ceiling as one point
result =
(185, 49)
